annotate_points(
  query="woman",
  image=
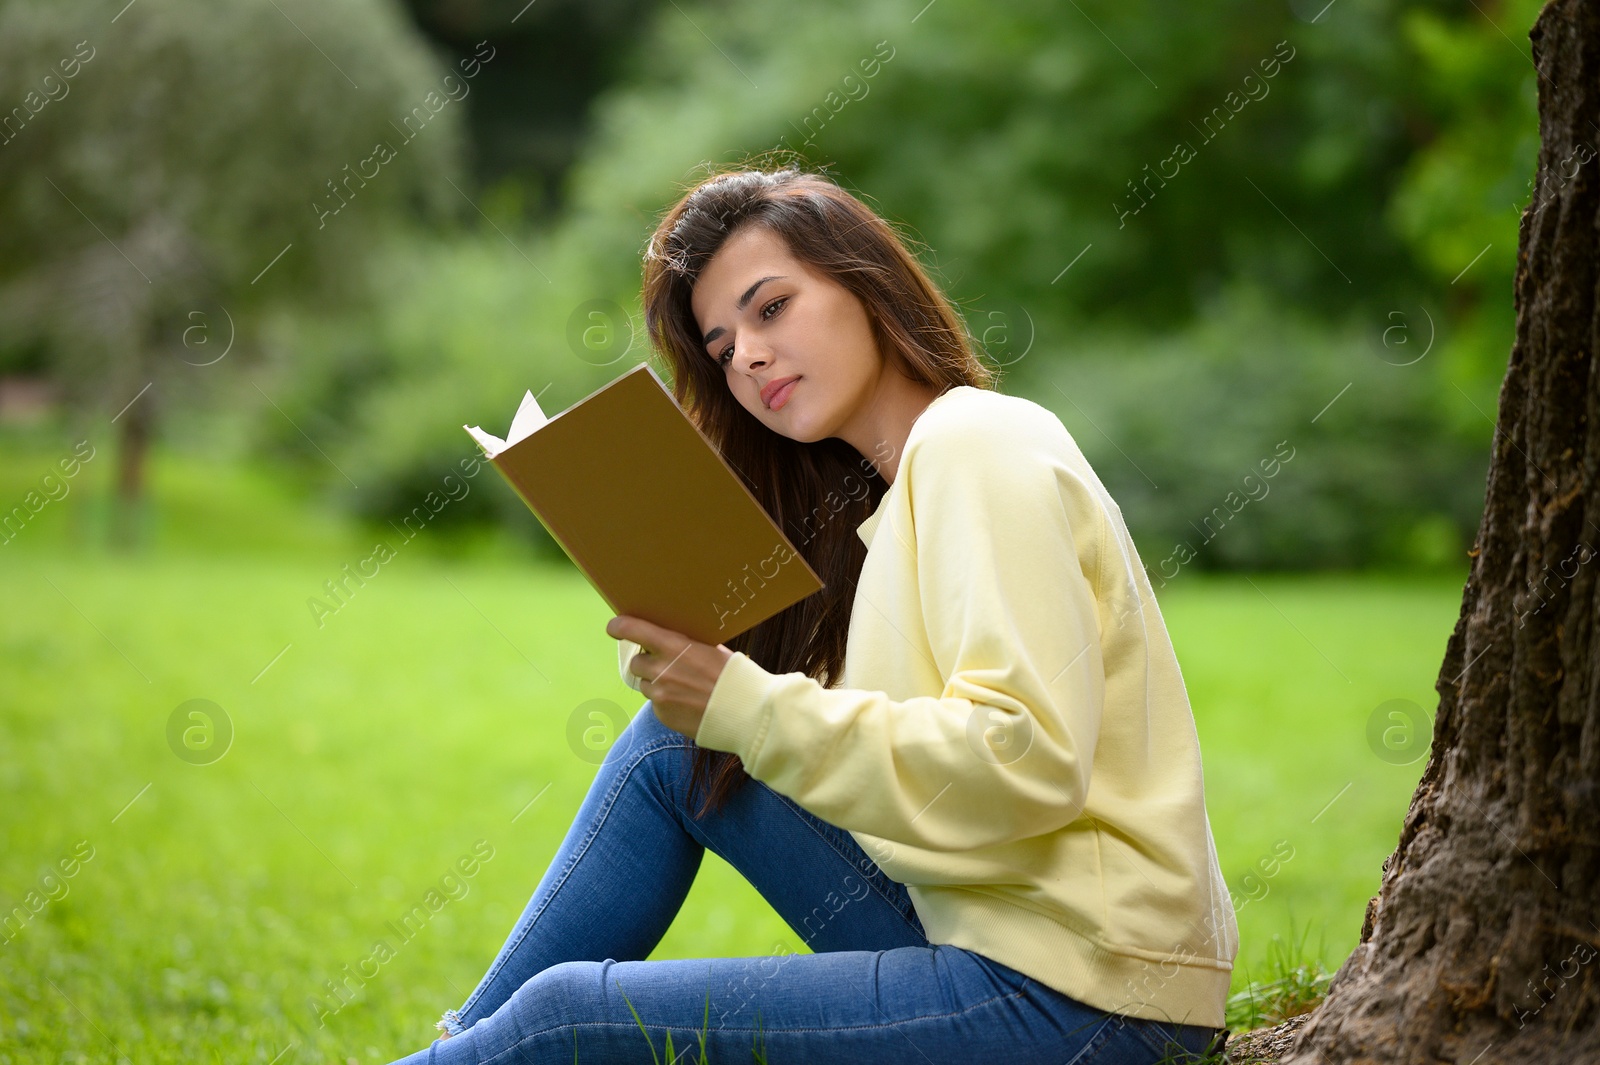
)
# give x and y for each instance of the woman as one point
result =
(990, 829)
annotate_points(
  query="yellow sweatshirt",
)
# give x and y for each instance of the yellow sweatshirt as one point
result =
(1011, 737)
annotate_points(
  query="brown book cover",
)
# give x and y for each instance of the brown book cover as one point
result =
(650, 512)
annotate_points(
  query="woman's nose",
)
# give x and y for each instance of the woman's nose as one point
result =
(749, 356)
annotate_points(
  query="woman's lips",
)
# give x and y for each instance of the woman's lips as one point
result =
(781, 396)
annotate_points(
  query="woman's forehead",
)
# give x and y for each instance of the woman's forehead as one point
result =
(745, 258)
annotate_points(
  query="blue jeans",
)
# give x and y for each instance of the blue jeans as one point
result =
(874, 990)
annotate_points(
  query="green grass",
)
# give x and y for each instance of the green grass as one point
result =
(1296, 983)
(425, 715)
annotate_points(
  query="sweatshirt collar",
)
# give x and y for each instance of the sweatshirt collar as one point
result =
(867, 528)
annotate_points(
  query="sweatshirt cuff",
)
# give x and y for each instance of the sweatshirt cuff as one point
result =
(739, 710)
(626, 649)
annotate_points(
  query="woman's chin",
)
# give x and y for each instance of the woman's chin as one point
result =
(796, 422)
(802, 433)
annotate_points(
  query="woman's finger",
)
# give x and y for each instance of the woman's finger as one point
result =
(641, 632)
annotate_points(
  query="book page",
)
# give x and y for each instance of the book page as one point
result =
(528, 420)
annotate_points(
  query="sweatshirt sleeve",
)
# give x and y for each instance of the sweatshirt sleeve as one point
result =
(1006, 538)
(626, 649)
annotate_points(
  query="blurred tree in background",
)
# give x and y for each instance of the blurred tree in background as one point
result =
(172, 168)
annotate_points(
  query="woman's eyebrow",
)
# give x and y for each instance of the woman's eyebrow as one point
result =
(744, 301)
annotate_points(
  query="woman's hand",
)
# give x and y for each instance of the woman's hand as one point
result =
(675, 673)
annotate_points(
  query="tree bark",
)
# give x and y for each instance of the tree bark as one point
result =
(1481, 945)
(133, 449)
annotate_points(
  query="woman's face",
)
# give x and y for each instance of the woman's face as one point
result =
(767, 318)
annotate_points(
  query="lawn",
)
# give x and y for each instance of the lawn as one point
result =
(376, 755)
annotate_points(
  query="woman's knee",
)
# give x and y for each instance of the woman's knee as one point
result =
(561, 995)
(547, 1006)
(648, 746)
(643, 733)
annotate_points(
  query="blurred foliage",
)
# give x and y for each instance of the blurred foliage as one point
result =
(1461, 197)
(1261, 439)
(558, 54)
(1007, 139)
(456, 330)
(1345, 215)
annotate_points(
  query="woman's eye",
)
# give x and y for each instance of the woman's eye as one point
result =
(766, 315)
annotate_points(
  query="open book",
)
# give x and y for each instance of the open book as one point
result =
(528, 418)
(649, 511)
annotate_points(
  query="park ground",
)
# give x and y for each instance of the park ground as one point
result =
(378, 751)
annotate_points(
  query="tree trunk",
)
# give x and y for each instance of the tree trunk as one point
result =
(135, 429)
(1482, 941)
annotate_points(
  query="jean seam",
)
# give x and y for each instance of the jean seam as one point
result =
(825, 838)
(606, 805)
(1169, 1034)
(1095, 1043)
(1151, 1028)
(764, 1028)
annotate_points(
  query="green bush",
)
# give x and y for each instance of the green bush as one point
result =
(1260, 440)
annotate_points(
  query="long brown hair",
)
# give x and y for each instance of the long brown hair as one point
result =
(818, 493)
